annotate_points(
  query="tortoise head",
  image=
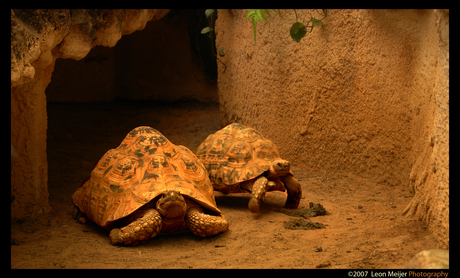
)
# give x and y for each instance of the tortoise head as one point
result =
(172, 205)
(279, 167)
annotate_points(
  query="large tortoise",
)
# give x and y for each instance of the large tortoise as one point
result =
(240, 159)
(148, 185)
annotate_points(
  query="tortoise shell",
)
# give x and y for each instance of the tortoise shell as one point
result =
(235, 154)
(145, 165)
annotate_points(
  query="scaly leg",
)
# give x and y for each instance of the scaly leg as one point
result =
(294, 191)
(258, 194)
(146, 226)
(204, 225)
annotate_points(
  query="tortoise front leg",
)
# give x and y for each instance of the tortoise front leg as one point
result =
(144, 227)
(294, 191)
(258, 194)
(204, 225)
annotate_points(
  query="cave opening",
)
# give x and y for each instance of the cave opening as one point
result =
(163, 76)
(169, 60)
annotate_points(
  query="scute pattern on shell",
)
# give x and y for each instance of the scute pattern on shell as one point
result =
(141, 168)
(235, 154)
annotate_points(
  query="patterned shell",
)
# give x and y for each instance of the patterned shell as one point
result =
(145, 165)
(235, 154)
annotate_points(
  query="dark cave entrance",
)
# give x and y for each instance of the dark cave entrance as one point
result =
(168, 60)
(163, 76)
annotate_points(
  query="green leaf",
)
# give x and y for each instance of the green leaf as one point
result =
(251, 14)
(221, 52)
(298, 31)
(262, 14)
(254, 23)
(316, 22)
(206, 30)
(256, 15)
(209, 12)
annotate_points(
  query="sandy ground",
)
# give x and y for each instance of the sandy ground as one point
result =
(364, 227)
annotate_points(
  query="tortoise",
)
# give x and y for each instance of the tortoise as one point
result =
(240, 159)
(148, 185)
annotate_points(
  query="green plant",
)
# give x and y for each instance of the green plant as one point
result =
(209, 31)
(256, 15)
(209, 15)
(298, 29)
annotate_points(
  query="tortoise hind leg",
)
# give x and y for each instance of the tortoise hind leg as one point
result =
(204, 225)
(294, 191)
(147, 224)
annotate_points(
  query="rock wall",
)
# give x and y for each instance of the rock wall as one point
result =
(366, 93)
(38, 38)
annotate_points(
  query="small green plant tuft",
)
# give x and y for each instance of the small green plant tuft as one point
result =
(257, 15)
(298, 29)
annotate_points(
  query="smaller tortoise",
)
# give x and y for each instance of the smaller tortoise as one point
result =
(240, 159)
(148, 185)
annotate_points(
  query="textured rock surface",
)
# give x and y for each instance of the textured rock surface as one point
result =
(38, 38)
(366, 93)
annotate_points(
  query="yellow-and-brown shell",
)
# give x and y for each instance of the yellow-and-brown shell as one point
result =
(235, 154)
(141, 168)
